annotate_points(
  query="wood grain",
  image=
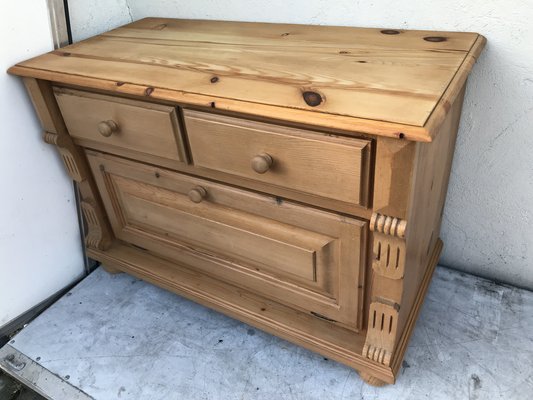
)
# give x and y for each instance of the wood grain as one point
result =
(140, 126)
(332, 167)
(361, 74)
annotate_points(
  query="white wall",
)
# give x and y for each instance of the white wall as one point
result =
(488, 219)
(40, 249)
(91, 17)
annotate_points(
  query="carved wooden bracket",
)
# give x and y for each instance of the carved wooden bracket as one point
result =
(98, 235)
(381, 335)
(388, 225)
(388, 246)
(95, 237)
(68, 153)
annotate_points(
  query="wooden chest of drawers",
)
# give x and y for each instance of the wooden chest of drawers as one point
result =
(290, 176)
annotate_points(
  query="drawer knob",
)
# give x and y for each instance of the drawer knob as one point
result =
(262, 163)
(197, 194)
(107, 128)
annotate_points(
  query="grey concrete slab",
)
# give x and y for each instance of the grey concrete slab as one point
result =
(116, 337)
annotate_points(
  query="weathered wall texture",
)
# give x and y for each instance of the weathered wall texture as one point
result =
(488, 221)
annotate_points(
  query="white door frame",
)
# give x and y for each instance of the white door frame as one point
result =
(58, 22)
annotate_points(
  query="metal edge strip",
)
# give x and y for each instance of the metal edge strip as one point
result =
(36, 377)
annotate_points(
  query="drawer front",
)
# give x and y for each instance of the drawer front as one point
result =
(305, 258)
(310, 162)
(113, 123)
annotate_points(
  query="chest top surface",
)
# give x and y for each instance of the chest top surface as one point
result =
(379, 81)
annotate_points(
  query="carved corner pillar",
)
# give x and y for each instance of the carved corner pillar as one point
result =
(388, 229)
(388, 245)
(68, 154)
(381, 335)
(99, 234)
(388, 262)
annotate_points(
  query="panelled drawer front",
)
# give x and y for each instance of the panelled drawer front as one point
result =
(117, 123)
(305, 161)
(305, 258)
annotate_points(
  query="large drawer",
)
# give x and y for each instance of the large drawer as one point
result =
(309, 259)
(113, 124)
(310, 162)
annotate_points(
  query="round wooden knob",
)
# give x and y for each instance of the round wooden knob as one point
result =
(107, 128)
(262, 163)
(197, 194)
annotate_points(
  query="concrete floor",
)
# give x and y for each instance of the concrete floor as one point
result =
(115, 337)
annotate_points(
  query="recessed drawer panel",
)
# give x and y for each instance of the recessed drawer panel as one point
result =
(305, 161)
(113, 123)
(303, 257)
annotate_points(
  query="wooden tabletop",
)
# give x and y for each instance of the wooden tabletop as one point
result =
(380, 81)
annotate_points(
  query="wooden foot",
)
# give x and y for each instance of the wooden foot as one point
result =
(111, 270)
(372, 380)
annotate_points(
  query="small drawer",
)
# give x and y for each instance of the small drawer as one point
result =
(305, 161)
(113, 123)
(305, 258)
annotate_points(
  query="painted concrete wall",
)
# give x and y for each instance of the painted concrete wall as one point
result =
(40, 250)
(91, 17)
(488, 219)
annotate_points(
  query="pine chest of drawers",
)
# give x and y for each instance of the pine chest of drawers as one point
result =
(290, 176)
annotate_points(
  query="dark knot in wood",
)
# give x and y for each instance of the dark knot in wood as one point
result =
(214, 79)
(149, 91)
(390, 32)
(435, 39)
(312, 99)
